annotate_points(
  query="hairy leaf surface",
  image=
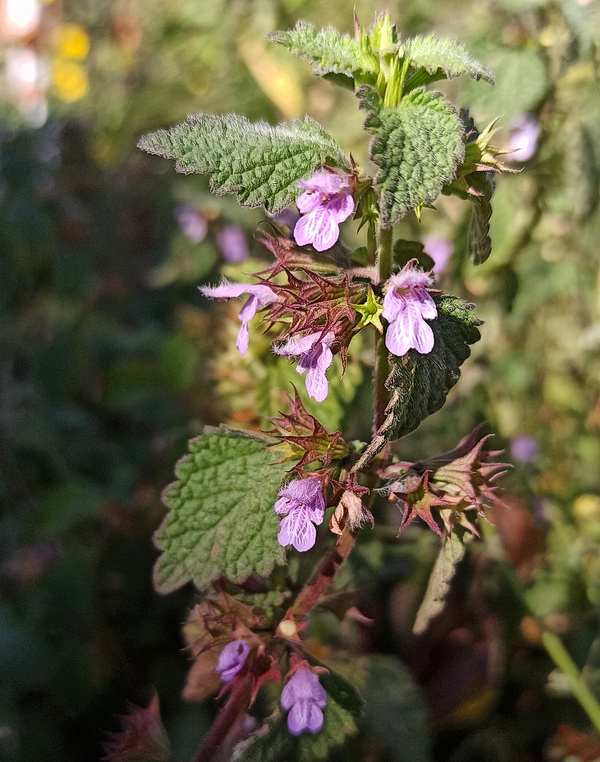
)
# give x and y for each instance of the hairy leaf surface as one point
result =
(451, 554)
(479, 241)
(258, 162)
(417, 147)
(395, 711)
(328, 51)
(221, 520)
(273, 742)
(443, 59)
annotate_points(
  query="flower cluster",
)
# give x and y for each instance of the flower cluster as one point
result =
(315, 310)
(305, 698)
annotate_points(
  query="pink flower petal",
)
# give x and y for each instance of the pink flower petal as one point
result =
(317, 385)
(398, 337)
(227, 290)
(243, 339)
(341, 206)
(305, 715)
(325, 182)
(298, 345)
(423, 338)
(309, 201)
(297, 530)
(318, 228)
(426, 304)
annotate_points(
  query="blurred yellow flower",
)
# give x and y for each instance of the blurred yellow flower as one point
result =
(70, 80)
(73, 42)
(587, 507)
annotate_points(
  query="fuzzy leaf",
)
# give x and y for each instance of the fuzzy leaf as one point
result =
(419, 383)
(259, 163)
(443, 59)
(221, 520)
(395, 711)
(417, 147)
(273, 742)
(479, 242)
(328, 51)
(451, 554)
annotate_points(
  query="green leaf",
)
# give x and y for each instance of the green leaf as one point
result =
(522, 84)
(479, 242)
(443, 59)
(418, 382)
(329, 52)
(273, 742)
(451, 554)
(395, 711)
(258, 162)
(417, 147)
(221, 520)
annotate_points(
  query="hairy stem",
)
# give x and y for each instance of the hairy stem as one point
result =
(382, 365)
(236, 706)
(309, 595)
(329, 567)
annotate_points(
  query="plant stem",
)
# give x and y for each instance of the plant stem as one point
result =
(236, 706)
(329, 567)
(551, 642)
(322, 578)
(561, 657)
(382, 365)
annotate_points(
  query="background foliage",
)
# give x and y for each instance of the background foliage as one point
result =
(110, 360)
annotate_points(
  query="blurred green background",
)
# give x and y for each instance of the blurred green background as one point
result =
(110, 359)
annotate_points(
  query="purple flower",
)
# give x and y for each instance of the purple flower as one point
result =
(191, 222)
(325, 203)
(439, 249)
(523, 448)
(315, 357)
(524, 135)
(406, 306)
(232, 659)
(305, 697)
(232, 242)
(260, 295)
(302, 503)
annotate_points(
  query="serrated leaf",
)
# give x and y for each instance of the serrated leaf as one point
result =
(451, 554)
(443, 59)
(259, 163)
(417, 147)
(418, 382)
(273, 742)
(329, 52)
(395, 711)
(221, 520)
(479, 242)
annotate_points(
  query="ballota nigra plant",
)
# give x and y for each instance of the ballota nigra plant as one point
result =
(244, 504)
